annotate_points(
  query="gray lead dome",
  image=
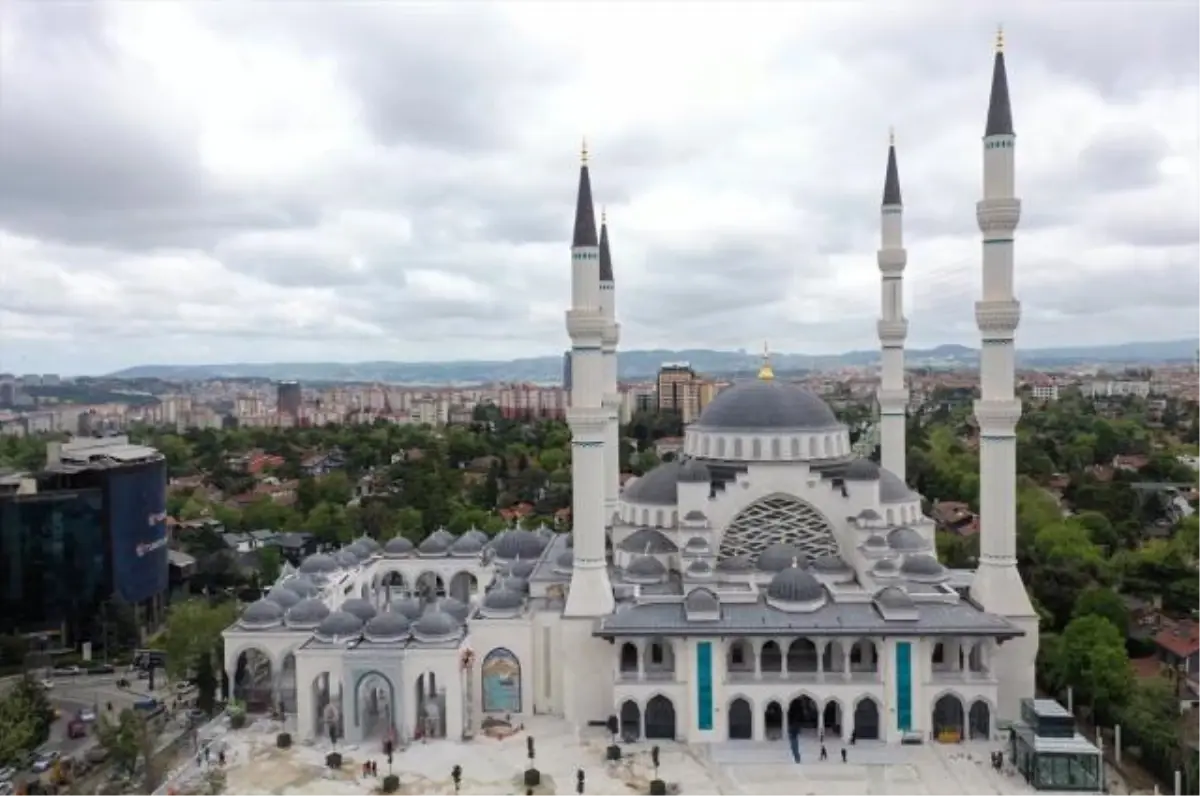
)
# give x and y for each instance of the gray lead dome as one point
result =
(302, 585)
(411, 607)
(658, 487)
(779, 556)
(922, 566)
(905, 540)
(285, 597)
(318, 564)
(435, 625)
(694, 471)
(518, 543)
(307, 614)
(262, 613)
(433, 545)
(646, 567)
(767, 404)
(795, 585)
(360, 608)
(502, 599)
(339, 624)
(862, 470)
(387, 626)
(648, 540)
(398, 547)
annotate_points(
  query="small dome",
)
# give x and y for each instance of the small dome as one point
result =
(346, 558)
(339, 624)
(894, 597)
(779, 557)
(361, 551)
(795, 585)
(694, 471)
(319, 564)
(522, 568)
(735, 564)
(877, 542)
(695, 516)
(409, 606)
(433, 545)
(369, 544)
(518, 543)
(261, 614)
(884, 568)
(699, 568)
(869, 515)
(307, 614)
(502, 599)
(565, 561)
(648, 540)
(763, 404)
(905, 540)
(922, 567)
(387, 626)
(360, 608)
(455, 607)
(435, 625)
(659, 487)
(302, 585)
(702, 601)
(477, 535)
(544, 532)
(444, 535)
(283, 596)
(466, 546)
(830, 564)
(645, 568)
(398, 547)
(696, 544)
(862, 470)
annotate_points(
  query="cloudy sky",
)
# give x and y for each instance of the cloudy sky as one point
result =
(273, 181)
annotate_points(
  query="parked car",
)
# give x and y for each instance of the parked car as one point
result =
(101, 669)
(47, 684)
(45, 761)
(67, 671)
(87, 714)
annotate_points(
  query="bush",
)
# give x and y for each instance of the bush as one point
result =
(533, 778)
(333, 760)
(613, 752)
(658, 787)
(283, 740)
(391, 783)
(237, 720)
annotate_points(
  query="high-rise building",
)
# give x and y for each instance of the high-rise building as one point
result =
(566, 372)
(680, 390)
(290, 399)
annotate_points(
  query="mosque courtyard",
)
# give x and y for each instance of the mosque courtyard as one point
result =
(254, 765)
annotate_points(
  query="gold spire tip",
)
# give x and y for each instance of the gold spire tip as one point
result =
(766, 372)
(583, 152)
(999, 38)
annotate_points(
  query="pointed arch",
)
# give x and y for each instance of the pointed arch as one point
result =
(778, 518)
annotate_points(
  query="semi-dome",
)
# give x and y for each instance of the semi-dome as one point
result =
(862, 470)
(922, 567)
(360, 608)
(466, 546)
(302, 585)
(830, 564)
(502, 599)
(659, 487)
(648, 540)
(455, 607)
(433, 545)
(694, 471)
(410, 606)
(735, 564)
(779, 556)
(905, 540)
(284, 597)
(645, 568)
(876, 542)
(435, 625)
(795, 585)
(892, 488)
(695, 516)
(398, 547)
(518, 543)
(894, 597)
(699, 569)
(261, 614)
(319, 564)
(387, 626)
(339, 624)
(702, 601)
(868, 515)
(697, 544)
(307, 614)
(767, 404)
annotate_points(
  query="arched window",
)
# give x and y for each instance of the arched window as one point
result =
(778, 518)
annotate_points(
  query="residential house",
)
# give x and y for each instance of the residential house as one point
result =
(954, 517)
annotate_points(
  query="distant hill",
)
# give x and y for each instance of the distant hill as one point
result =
(644, 364)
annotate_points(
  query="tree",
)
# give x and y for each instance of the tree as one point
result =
(193, 630)
(270, 563)
(128, 740)
(1104, 602)
(25, 718)
(1092, 658)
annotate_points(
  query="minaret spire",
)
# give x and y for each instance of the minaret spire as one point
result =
(606, 271)
(585, 211)
(610, 337)
(892, 257)
(997, 585)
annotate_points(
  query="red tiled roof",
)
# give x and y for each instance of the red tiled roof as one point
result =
(1182, 639)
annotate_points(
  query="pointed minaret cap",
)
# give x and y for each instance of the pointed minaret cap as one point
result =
(999, 118)
(606, 272)
(585, 213)
(891, 183)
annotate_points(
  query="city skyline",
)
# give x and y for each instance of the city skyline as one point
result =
(288, 209)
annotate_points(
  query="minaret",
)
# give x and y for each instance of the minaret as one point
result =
(590, 591)
(997, 585)
(612, 398)
(892, 394)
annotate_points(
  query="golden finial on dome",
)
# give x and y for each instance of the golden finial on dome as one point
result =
(583, 152)
(999, 38)
(766, 372)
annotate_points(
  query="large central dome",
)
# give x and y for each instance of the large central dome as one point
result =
(767, 404)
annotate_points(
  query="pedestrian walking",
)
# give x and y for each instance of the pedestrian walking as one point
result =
(843, 754)
(824, 754)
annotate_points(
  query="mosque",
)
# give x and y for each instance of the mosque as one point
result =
(767, 580)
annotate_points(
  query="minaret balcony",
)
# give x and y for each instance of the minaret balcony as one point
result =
(892, 332)
(997, 417)
(589, 422)
(892, 401)
(611, 335)
(998, 217)
(892, 260)
(586, 325)
(997, 320)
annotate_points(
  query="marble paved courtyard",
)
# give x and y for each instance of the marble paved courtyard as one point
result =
(256, 766)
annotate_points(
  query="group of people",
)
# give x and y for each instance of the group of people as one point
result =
(794, 742)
